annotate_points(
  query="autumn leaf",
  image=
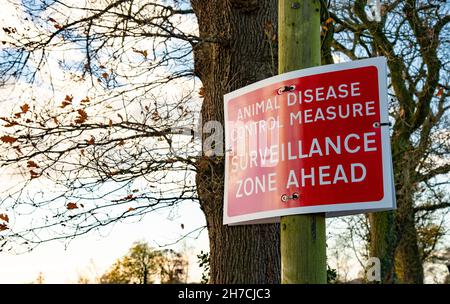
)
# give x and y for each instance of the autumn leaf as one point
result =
(18, 150)
(102, 66)
(85, 100)
(57, 26)
(142, 52)
(121, 142)
(25, 108)
(11, 124)
(112, 173)
(155, 115)
(18, 115)
(51, 19)
(131, 209)
(8, 139)
(64, 104)
(67, 101)
(324, 28)
(32, 164)
(3, 227)
(34, 174)
(82, 116)
(440, 91)
(329, 20)
(105, 75)
(91, 141)
(82, 152)
(110, 123)
(71, 206)
(4, 217)
(201, 92)
(55, 120)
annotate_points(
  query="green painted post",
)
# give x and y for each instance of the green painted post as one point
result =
(303, 241)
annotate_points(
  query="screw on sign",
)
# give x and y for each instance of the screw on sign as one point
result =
(313, 140)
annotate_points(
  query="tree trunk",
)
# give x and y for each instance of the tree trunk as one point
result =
(394, 237)
(238, 50)
(382, 243)
(408, 260)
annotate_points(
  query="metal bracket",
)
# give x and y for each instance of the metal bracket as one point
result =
(295, 196)
(381, 124)
(286, 89)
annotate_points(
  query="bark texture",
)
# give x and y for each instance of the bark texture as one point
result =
(238, 49)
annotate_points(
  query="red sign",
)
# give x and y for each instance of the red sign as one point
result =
(314, 140)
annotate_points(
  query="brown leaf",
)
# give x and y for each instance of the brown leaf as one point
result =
(82, 152)
(4, 217)
(131, 209)
(18, 114)
(18, 150)
(102, 66)
(142, 52)
(51, 19)
(440, 91)
(85, 100)
(329, 20)
(112, 173)
(57, 26)
(82, 116)
(201, 92)
(32, 164)
(71, 206)
(8, 139)
(110, 123)
(34, 174)
(3, 227)
(11, 124)
(69, 98)
(155, 115)
(324, 28)
(121, 142)
(91, 141)
(25, 108)
(105, 75)
(55, 120)
(64, 104)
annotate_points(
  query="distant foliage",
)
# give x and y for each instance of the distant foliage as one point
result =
(145, 265)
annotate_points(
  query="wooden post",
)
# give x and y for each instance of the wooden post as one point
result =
(303, 241)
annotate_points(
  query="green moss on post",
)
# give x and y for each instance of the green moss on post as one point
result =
(303, 241)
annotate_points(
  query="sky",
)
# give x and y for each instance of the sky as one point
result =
(91, 255)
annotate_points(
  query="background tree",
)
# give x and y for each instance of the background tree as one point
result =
(145, 265)
(414, 37)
